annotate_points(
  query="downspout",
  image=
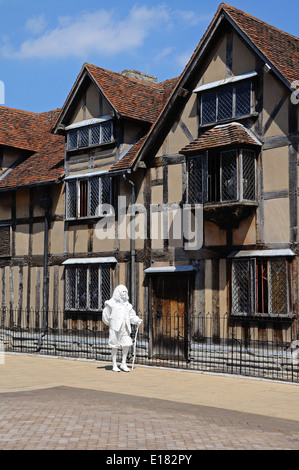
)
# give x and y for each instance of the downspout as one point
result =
(46, 204)
(132, 241)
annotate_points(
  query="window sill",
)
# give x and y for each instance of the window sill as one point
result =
(227, 121)
(83, 311)
(263, 316)
(84, 220)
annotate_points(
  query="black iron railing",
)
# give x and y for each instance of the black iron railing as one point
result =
(263, 347)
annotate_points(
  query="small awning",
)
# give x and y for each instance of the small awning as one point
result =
(88, 122)
(108, 260)
(222, 135)
(225, 81)
(262, 253)
(170, 269)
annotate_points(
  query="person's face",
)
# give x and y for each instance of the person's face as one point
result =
(124, 294)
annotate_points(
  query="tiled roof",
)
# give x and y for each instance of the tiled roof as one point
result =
(282, 49)
(31, 132)
(222, 136)
(127, 161)
(130, 97)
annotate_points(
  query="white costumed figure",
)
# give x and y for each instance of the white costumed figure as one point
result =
(118, 314)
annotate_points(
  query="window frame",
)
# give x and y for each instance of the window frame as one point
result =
(78, 131)
(77, 196)
(72, 300)
(255, 283)
(219, 88)
(204, 160)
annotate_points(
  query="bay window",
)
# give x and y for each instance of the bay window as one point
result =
(222, 176)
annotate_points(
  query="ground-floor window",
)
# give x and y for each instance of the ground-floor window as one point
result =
(261, 286)
(87, 287)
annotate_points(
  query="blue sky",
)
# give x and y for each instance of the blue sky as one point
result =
(43, 44)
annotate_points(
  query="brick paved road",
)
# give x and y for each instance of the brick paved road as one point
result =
(70, 418)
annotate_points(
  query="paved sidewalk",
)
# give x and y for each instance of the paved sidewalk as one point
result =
(56, 403)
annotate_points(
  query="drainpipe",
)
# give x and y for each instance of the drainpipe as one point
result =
(132, 241)
(46, 204)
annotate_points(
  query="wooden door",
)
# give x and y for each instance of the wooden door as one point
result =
(170, 294)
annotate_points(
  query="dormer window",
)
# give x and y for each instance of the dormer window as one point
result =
(90, 133)
(227, 99)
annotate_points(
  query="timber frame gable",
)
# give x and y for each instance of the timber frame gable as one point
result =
(281, 57)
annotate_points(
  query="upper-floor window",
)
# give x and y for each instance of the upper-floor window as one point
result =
(227, 176)
(89, 133)
(88, 197)
(226, 102)
(226, 99)
(261, 286)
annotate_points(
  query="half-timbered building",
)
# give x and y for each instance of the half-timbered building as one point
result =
(100, 192)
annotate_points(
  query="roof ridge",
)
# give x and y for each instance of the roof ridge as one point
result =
(119, 74)
(8, 108)
(229, 7)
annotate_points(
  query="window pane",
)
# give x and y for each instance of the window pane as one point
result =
(94, 287)
(105, 285)
(225, 102)
(213, 177)
(105, 195)
(84, 137)
(82, 287)
(94, 196)
(106, 131)
(95, 134)
(195, 174)
(262, 286)
(229, 180)
(71, 199)
(243, 98)
(208, 107)
(278, 286)
(243, 293)
(72, 139)
(70, 288)
(248, 160)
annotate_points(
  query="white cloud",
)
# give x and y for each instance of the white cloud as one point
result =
(167, 51)
(36, 24)
(101, 32)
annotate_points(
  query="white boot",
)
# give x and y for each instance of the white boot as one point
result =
(114, 364)
(123, 365)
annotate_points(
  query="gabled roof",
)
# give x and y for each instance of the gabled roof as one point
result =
(222, 136)
(43, 159)
(278, 49)
(129, 97)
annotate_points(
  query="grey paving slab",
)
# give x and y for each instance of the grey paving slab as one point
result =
(60, 404)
